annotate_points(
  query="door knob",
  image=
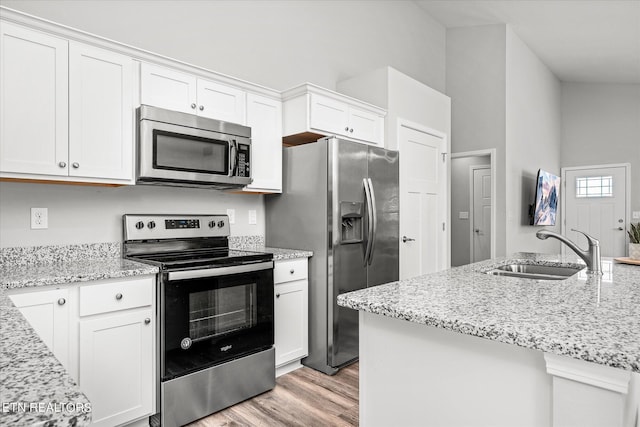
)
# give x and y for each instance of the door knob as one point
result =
(406, 239)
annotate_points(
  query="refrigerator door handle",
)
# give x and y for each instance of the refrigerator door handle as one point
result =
(372, 238)
(370, 209)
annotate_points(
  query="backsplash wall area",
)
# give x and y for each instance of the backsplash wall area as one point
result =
(86, 214)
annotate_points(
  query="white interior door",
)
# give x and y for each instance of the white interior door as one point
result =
(481, 213)
(422, 202)
(596, 203)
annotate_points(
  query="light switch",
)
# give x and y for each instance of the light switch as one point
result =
(253, 217)
(463, 215)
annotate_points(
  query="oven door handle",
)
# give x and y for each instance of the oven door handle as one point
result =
(219, 271)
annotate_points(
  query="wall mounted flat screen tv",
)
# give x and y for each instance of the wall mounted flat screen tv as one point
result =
(547, 197)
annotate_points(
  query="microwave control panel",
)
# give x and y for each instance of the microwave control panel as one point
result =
(243, 160)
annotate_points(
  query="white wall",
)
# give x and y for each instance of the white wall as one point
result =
(461, 202)
(278, 44)
(533, 119)
(87, 214)
(601, 124)
(504, 97)
(476, 83)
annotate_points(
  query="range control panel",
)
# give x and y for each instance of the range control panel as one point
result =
(145, 227)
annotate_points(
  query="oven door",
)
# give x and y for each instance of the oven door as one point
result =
(214, 315)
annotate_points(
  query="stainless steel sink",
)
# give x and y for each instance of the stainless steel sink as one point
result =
(535, 271)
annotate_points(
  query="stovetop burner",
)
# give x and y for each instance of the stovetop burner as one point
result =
(202, 258)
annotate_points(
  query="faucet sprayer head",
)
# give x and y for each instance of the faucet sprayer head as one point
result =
(542, 234)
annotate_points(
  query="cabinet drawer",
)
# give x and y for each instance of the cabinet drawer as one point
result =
(114, 296)
(286, 271)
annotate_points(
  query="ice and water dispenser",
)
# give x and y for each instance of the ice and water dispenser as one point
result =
(351, 214)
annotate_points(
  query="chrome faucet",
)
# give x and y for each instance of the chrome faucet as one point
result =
(591, 256)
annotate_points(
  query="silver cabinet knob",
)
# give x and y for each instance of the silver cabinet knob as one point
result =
(62, 301)
(406, 239)
(201, 107)
(351, 130)
(620, 228)
(118, 296)
(76, 165)
(477, 230)
(62, 164)
(292, 271)
(346, 129)
(193, 106)
(277, 295)
(147, 321)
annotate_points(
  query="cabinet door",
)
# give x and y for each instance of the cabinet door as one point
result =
(100, 113)
(116, 366)
(221, 102)
(33, 102)
(291, 321)
(48, 313)
(264, 116)
(168, 89)
(365, 125)
(328, 115)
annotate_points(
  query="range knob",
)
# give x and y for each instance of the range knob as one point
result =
(220, 224)
(151, 224)
(139, 225)
(212, 224)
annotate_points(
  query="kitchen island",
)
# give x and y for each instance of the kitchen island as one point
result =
(461, 347)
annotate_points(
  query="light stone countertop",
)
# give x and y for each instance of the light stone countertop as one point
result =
(29, 373)
(592, 318)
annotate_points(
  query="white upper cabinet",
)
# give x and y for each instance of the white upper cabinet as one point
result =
(34, 98)
(67, 111)
(170, 89)
(221, 102)
(100, 113)
(311, 112)
(174, 90)
(264, 116)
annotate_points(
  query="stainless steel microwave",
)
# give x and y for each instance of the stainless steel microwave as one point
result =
(185, 150)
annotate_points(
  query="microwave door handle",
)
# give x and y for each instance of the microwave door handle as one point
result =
(233, 157)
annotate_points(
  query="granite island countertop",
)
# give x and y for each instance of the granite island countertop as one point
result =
(592, 318)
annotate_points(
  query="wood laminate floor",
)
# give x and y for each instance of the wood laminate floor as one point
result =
(304, 398)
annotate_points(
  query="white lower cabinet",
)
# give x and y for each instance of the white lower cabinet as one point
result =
(115, 365)
(47, 311)
(291, 313)
(103, 333)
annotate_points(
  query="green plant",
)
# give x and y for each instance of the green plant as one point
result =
(634, 233)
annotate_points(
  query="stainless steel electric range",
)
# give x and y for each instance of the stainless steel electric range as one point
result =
(215, 316)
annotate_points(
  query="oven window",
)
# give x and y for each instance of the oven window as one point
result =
(220, 311)
(189, 153)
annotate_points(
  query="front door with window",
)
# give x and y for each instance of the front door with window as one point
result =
(596, 203)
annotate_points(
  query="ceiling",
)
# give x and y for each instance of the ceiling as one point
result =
(596, 41)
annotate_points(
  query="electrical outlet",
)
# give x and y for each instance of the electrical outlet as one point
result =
(635, 214)
(231, 213)
(39, 218)
(253, 218)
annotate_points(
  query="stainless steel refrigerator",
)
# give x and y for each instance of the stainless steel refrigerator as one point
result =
(339, 200)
